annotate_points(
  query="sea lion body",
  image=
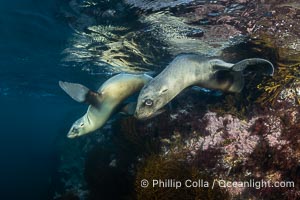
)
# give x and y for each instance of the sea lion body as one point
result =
(104, 102)
(193, 70)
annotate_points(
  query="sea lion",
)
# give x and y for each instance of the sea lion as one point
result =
(104, 102)
(194, 70)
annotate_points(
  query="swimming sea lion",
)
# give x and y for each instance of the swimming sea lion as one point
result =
(191, 69)
(104, 102)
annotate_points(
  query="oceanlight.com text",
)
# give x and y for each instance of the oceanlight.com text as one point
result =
(200, 183)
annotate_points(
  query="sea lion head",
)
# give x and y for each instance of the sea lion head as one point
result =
(151, 101)
(80, 127)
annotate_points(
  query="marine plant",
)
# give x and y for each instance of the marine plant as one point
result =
(138, 136)
(286, 76)
(68, 196)
(230, 104)
(270, 163)
(107, 175)
(239, 104)
(168, 169)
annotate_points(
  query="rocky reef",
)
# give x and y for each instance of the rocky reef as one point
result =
(262, 145)
(269, 24)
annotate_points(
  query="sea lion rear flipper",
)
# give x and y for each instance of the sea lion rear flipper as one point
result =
(80, 93)
(254, 64)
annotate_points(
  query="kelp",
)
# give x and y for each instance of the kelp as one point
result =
(129, 134)
(231, 104)
(285, 77)
(168, 169)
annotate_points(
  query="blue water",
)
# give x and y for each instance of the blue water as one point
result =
(34, 112)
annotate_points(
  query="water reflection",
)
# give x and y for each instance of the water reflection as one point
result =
(126, 37)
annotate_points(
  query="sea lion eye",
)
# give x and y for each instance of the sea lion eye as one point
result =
(148, 102)
(82, 125)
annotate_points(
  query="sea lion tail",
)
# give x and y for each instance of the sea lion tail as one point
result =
(76, 91)
(254, 64)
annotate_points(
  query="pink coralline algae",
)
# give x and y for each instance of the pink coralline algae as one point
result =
(228, 134)
(238, 138)
(262, 147)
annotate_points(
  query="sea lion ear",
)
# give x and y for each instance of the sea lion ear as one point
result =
(80, 93)
(257, 65)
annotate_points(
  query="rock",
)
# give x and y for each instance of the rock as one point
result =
(196, 33)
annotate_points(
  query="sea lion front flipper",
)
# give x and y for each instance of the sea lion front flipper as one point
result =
(208, 91)
(254, 64)
(220, 64)
(128, 109)
(80, 93)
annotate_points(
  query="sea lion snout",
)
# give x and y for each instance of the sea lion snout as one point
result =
(74, 132)
(151, 101)
(147, 109)
(71, 136)
(142, 113)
